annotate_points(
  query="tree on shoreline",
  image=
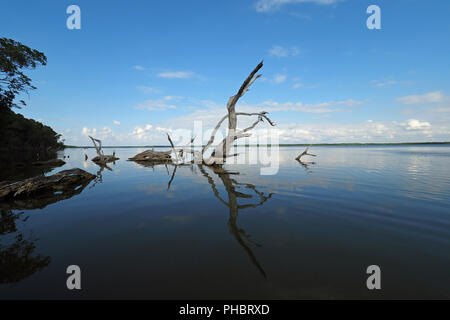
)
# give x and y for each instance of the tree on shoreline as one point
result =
(14, 56)
(21, 139)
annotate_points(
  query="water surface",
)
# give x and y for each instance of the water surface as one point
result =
(310, 231)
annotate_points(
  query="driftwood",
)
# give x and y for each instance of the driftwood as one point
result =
(49, 163)
(101, 158)
(61, 182)
(223, 150)
(153, 156)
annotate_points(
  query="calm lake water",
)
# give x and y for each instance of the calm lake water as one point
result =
(310, 231)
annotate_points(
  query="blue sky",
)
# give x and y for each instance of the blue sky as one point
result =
(138, 69)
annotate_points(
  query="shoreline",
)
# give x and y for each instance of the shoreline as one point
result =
(282, 145)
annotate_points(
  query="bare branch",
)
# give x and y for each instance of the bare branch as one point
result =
(99, 147)
(173, 147)
(245, 85)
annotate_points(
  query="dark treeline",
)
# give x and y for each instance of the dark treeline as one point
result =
(21, 140)
(25, 139)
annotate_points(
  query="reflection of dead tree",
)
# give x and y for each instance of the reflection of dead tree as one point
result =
(305, 164)
(99, 176)
(222, 151)
(232, 203)
(234, 195)
(304, 153)
(101, 158)
(172, 177)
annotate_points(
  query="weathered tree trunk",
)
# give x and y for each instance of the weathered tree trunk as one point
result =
(222, 151)
(63, 181)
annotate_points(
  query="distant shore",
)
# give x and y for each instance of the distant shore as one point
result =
(287, 145)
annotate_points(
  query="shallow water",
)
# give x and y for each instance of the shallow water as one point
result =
(307, 232)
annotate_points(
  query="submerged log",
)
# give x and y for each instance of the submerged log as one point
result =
(49, 163)
(63, 181)
(104, 159)
(153, 156)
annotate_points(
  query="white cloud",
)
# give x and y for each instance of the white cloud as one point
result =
(117, 123)
(413, 124)
(299, 84)
(101, 134)
(158, 104)
(147, 89)
(279, 78)
(282, 52)
(443, 109)
(322, 107)
(176, 74)
(369, 131)
(430, 97)
(268, 5)
(140, 68)
(141, 133)
(383, 83)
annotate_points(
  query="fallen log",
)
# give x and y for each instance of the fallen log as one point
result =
(49, 163)
(61, 182)
(153, 156)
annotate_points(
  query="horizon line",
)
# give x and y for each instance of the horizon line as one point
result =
(280, 144)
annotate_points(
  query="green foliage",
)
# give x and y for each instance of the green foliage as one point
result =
(23, 140)
(15, 56)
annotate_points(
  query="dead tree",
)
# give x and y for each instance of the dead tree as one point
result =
(222, 151)
(101, 158)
